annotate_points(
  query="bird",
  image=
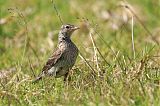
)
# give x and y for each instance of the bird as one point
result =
(64, 57)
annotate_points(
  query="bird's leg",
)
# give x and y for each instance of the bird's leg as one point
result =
(66, 77)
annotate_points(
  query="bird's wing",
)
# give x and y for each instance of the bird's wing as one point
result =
(56, 56)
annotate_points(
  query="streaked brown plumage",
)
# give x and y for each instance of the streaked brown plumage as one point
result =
(64, 57)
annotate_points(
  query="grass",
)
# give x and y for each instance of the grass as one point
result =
(107, 74)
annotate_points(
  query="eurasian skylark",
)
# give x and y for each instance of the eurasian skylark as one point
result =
(64, 57)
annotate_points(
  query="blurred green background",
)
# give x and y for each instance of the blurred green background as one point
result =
(28, 35)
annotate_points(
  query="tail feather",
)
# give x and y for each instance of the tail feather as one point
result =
(38, 78)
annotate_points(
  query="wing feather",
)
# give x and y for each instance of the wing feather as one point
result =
(56, 56)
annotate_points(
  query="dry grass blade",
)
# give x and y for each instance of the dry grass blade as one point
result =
(83, 58)
(9, 95)
(21, 16)
(93, 41)
(57, 13)
(95, 52)
(133, 47)
(31, 67)
(127, 6)
(34, 51)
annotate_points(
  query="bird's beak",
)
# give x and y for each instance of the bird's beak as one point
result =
(75, 28)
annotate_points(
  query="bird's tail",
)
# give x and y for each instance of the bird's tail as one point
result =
(38, 78)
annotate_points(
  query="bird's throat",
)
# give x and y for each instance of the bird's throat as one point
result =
(64, 37)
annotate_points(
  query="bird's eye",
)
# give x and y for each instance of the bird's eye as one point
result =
(67, 27)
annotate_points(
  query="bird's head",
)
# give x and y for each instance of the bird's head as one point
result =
(68, 29)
